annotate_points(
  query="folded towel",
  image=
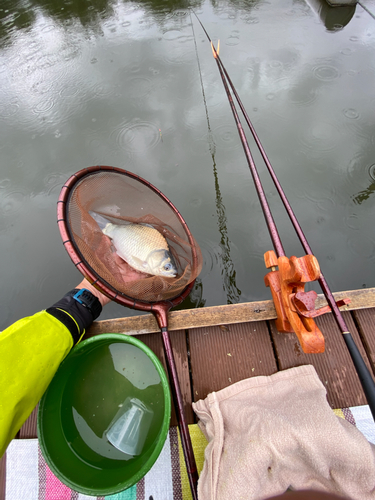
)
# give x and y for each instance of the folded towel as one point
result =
(268, 434)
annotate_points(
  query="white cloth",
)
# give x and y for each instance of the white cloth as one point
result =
(267, 434)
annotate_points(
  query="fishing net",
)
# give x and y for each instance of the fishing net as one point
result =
(122, 198)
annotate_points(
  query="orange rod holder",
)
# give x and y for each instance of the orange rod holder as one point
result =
(295, 308)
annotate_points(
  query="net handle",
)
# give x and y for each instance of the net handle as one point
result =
(84, 269)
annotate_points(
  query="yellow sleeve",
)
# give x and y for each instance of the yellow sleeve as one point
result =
(31, 351)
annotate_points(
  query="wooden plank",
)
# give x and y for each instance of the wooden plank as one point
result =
(178, 341)
(334, 367)
(365, 321)
(220, 315)
(190, 318)
(221, 356)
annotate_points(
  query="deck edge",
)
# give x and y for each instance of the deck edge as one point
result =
(221, 315)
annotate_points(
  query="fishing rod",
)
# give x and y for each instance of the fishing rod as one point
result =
(301, 301)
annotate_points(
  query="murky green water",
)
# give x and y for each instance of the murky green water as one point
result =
(91, 407)
(134, 85)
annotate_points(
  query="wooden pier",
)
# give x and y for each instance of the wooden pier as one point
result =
(218, 346)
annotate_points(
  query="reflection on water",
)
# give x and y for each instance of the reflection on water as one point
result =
(126, 362)
(91, 14)
(333, 18)
(228, 271)
(368, 192)
(120, 83)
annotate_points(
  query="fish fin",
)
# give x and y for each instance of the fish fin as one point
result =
(140, 262)
(99, 219)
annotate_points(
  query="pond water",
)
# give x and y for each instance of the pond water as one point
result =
(134, 85)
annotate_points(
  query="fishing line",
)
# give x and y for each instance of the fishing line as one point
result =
(366, 9)
(229, 284)
(211, 142)
(364, 375)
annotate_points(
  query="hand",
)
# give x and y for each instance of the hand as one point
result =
(103, 299)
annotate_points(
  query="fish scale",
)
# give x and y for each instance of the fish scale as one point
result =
(135, 240)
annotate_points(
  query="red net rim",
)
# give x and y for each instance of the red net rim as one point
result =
(78, 259)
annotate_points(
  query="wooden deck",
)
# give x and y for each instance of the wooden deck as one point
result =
(218, 346)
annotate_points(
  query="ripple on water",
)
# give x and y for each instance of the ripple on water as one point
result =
(303, 95)
(138, 87)
(211, 256)
(171, 34)
(103, 89)
(347, 51)
(12, 202)
(180, 14)
(4, 183)
(353, 222)
(371, 171)
(250, 19)
(42, 86)
(322, 136)
(351, 113)
(54, 182)
(137, 137)
(70, 52)
(196, 202)
(180, 53)
(233, 39)
(46, 61)
(325, 72)
(363, 247)
(44, 105)
(71, 89)
(47, 28)
(323, 203)
(226, 137)
(8, 110)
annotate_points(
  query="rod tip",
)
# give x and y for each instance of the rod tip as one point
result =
(214, 51)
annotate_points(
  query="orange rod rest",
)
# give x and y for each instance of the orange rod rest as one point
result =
(295, 308)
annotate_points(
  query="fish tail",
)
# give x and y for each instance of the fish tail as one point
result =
(99, 219)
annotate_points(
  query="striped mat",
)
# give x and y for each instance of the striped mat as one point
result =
(28, 476)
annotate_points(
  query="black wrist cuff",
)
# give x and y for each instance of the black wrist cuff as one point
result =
(83, 311)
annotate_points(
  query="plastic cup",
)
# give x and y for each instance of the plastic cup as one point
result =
(128, 430)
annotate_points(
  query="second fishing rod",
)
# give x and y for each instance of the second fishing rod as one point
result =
(364, 375)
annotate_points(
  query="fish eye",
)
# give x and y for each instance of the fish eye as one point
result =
(167, 267)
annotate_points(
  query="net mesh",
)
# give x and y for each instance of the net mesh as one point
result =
(121, 199)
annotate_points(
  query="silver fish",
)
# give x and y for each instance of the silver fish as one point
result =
(140, 245)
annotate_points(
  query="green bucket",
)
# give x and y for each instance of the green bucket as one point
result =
(98, 377)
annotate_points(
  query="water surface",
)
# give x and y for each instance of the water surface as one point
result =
(134, 85)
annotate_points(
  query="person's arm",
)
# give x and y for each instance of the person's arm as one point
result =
(31, 351)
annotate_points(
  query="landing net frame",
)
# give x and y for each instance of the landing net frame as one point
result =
(79, 259)
(159, 308)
